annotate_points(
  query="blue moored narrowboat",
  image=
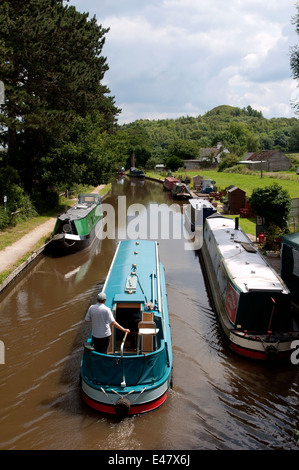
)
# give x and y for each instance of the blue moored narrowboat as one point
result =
(135, 376)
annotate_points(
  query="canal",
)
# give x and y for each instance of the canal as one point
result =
(218, 400)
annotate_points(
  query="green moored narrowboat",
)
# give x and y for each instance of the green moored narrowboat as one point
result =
(77, 228)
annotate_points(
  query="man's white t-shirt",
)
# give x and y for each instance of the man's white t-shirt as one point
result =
(101, 318)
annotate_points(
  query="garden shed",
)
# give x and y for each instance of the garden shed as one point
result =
(236, 199)
(289, 266)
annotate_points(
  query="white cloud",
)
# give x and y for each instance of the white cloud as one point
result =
(169, 58)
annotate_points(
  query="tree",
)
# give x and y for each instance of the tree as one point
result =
(86, 155)
(294, 138)
(184, 149)
(52, 67)
(272, 203)
(173, 163)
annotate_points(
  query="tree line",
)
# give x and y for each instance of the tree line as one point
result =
(58, 121)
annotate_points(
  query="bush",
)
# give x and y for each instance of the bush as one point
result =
(241, 169)
(45, 201)
(19, 206)
(4, 219)
(228, 161)
(273, 203)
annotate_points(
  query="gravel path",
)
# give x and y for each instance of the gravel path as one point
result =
(11, 254)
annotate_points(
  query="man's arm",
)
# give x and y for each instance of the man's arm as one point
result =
(117, 325)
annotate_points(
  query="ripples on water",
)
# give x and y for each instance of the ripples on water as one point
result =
(218, 401)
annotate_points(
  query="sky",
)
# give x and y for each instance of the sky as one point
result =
(173, 58)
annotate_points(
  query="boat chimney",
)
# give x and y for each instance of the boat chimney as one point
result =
(237, 223)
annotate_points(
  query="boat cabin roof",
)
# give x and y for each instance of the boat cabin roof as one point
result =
(85, 204)
(133, 275)
(199, 204)
(246, 266)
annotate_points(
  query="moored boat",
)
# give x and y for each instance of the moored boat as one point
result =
(196, 213)
(122, 171)
(77, 228)
(135, 375)
(251, 300)
(137, 173)
(180, 191)
(289, 265)
(169, 183)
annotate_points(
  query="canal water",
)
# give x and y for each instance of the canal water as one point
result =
(218, 400)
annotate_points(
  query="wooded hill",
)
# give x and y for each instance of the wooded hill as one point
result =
(239, 130)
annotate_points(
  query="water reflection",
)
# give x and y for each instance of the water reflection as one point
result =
(219, 401)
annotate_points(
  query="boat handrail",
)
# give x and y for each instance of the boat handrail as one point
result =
(123, 384)
(122, 346)
(158, 279)
(153, 287)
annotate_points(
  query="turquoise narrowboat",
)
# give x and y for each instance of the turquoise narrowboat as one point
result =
(77, 228)
(252, 302)
(135, 376)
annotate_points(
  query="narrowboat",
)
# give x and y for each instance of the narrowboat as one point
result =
(289, 266)
(196, 213)
(136, 374)
(77, 228)
(137, 173)
(180, 191)
(251, 300)
(169, 183)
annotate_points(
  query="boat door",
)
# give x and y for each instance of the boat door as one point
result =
(127, 314)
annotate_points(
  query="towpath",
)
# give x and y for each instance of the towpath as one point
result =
(10, 255)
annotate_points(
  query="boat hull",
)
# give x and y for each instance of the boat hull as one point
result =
(64, 244)
(260, 344)
(107, 401)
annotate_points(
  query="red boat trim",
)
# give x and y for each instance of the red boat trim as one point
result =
(135, 409)
(252, 354)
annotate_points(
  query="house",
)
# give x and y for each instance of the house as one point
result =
(213, 153)
(210, 155)
(272, 160)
